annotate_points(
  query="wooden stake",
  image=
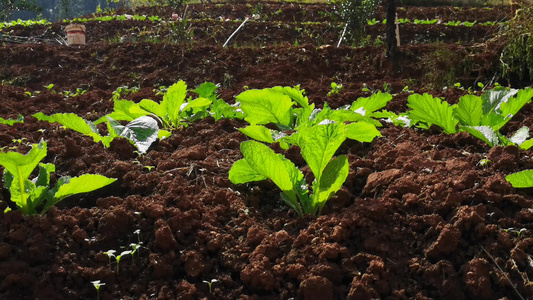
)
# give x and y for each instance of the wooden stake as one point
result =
(397, 31)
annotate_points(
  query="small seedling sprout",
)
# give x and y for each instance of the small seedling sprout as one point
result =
(97, 284)
(210, 284)
(118, 257)
(134, 248)
(484, 163)
(138, 231)
(110, 253)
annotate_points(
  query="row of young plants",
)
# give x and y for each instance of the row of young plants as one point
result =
(435, 21)
(157, 19)
(318, 133)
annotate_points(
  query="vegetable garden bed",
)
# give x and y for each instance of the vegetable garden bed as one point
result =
(421, 215)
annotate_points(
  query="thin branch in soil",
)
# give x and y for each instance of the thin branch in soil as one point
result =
(503, 272)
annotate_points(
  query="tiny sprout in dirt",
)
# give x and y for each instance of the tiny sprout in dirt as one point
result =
(210, 284)
(97, 284)
(118, 257)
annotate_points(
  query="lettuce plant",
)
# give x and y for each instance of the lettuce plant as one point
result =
(10, 122)
(36, 196)
(141, 131)
(482, 116)
(318, 144)
(173, 111)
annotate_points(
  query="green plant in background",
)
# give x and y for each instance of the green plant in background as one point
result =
(176, 110)
(37, 196)
(335, 89)
(517, 55)
(8, 7)
(277, 106)
(443, 66)
(355, 14)
(517, 58)
(11, 122)
(482, 116)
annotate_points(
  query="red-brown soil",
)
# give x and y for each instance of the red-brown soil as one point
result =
(418, 217)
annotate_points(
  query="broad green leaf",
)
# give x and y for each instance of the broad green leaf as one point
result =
(319, 143)
(258, 133)
(77, 185)
(295, 93)
(242, 172)
(152, 107)
(70, 121)
(337, 115)
(263, 162)
(207, 90)
(362, 131)
(124, 110)
(11, 122)
(142, 132)
(266, 106)
(173, 100)
(493, 120)
(197, 105)
(523, 179)
(163, 134)
(484, 133)
(426, 108)
(220, 109)
(469, 110)
(343, 116)
(76, 123)
(526, 145)
(303, 115)
(332, 179)
(372, 103)
(43, 179)
(514, 104)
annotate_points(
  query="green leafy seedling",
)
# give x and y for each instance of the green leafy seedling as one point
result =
(318, 144)
(481, 116)
(50, 87)
(335, 89)
(172, 112)
(210, 284)
(484, 163)
(36, 196)
(134, 248)
(97, 285)
(110, 253)
(119, 257)
(10, 122)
